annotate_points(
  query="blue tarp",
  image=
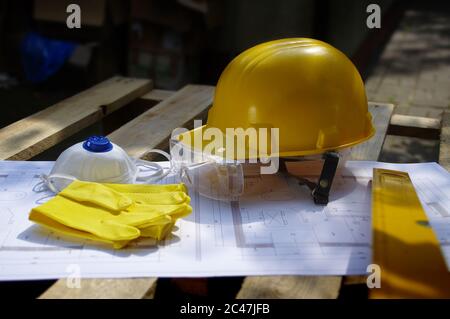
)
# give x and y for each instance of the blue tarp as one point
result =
(42, 57)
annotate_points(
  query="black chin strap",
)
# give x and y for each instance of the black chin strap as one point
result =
(320, 191)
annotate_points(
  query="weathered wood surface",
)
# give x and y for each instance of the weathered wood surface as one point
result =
(38, 132)
(153, 128)
(444, 149)
(370, 150)
(414, 126)
(130, 288)
(304, 287)
(157, 95)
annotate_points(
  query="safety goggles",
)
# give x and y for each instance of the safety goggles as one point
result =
(210, 175)
(223, 179)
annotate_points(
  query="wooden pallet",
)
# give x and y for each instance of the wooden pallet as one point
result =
(167, 110)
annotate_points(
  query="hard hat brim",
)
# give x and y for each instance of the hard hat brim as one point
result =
(194, 140)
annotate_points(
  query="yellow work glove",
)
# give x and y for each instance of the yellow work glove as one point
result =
(137, 198)
(114, 213)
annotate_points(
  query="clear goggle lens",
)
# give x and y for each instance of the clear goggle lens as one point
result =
(211, 176)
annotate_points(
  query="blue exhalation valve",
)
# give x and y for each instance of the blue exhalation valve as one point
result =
(97, 144)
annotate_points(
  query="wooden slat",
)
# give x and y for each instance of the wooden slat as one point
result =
(103, 289)
(414, 126)
(149, 130)
(444, 150)
(303, 287)
(153, 128)
(36, 133)
(422, 111)
(157, 95)
(355, 280)
(370, 150)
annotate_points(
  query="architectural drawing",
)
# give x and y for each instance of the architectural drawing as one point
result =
(274, 229)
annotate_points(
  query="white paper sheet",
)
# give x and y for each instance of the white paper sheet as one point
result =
(278, 231)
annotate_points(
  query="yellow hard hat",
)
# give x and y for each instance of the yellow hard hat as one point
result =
(307, 88)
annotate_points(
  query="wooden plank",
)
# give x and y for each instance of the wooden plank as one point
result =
(355, 280)
(149, 130)
(414, 126)
(415, 121)
(444, 149)
(300, 287)
(422, 111)
(157, 95)
(293, 287)
(370, 150)
(36, 133)
(103, 289)
(153, 128)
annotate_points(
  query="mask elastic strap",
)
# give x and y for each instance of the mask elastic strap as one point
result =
(46, 179)
(160, 173)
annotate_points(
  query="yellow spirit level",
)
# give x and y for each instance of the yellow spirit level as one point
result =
(404, 245)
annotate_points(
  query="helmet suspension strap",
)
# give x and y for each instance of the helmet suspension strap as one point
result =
(321, 190)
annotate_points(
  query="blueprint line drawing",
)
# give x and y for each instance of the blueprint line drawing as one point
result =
(274, 229)
(239, 231)
(198, 246)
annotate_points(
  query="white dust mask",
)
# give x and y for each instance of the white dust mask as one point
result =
(99, 160)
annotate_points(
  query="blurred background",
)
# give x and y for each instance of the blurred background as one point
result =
(175, 42)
